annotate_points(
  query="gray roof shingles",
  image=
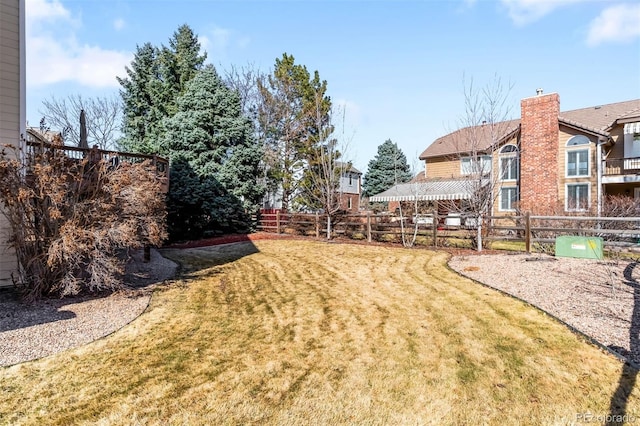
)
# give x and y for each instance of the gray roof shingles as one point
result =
(598, 119)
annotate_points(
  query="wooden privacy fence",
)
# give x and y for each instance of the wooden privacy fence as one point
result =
(454, 229)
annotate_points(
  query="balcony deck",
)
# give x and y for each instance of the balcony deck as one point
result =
(74, 152)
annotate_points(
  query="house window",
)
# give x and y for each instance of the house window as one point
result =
(478, 165)
(508, 198)
(349, 203)
(578, 156)
(508, 162)
(350, 181)
(577, 197)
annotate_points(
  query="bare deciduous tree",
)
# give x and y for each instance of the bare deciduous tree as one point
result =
(103, 114)
(482, 128)
(245, 80)
(325, 166)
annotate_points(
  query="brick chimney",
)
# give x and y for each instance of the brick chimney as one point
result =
(539, 138)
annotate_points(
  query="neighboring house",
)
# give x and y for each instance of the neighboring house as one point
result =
(350, 187)
(12, 103)
(546, 162)
(349, 191)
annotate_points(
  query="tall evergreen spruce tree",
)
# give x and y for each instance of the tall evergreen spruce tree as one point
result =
(215, 160)
(155, 79)
(386, 169)
(141, 117)
(176, 107)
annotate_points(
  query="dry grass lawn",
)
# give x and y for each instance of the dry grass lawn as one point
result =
(300, 332)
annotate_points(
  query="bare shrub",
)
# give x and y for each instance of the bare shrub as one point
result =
(71, 218)
(621, 206)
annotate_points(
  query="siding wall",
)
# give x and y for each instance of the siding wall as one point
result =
(350, 183)
(442, 167)
(617, 134)
(566, 134)
(12, 113)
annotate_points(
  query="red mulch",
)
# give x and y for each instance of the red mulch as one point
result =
(226, 239)
(236, 238)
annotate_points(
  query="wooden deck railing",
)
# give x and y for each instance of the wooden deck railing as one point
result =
(74, 152)
(621, 166)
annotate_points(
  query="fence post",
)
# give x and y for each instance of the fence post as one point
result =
(435, 228)
(317, 225)
(277, 221)
(479, 233)
(527, 232)
(369, 226)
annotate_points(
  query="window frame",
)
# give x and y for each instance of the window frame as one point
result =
(510, 154)
(484, 159)
(511, 207)
(577, 145)
(566, 197)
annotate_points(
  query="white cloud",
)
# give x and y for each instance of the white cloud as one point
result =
(220, 38)
(217, 41)
(54, 54)
(620, 23)
(467, 4)
(205, 43)
(524, 12)
(43, 10)
(118, 24)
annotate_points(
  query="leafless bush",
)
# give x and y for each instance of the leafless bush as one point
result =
(70, 218)
(621, 206)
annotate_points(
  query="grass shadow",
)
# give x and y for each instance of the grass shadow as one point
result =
(196, 259)
(628, 377)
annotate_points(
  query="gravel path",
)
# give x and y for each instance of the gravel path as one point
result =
(599, 298)
(34, 331)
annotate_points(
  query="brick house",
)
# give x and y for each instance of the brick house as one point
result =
(547, 161)
(350, 188)
(12, 103)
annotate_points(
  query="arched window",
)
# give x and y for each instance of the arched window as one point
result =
(509, 165)
(508, 148)
(578, 156)
(509, 162)
(578, 140)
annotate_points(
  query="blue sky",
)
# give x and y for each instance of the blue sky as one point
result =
(396, 67)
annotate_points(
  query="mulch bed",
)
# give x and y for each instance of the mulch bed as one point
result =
(227, 239)
(236, 238)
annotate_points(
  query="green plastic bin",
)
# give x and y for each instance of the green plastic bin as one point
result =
(580, 247)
